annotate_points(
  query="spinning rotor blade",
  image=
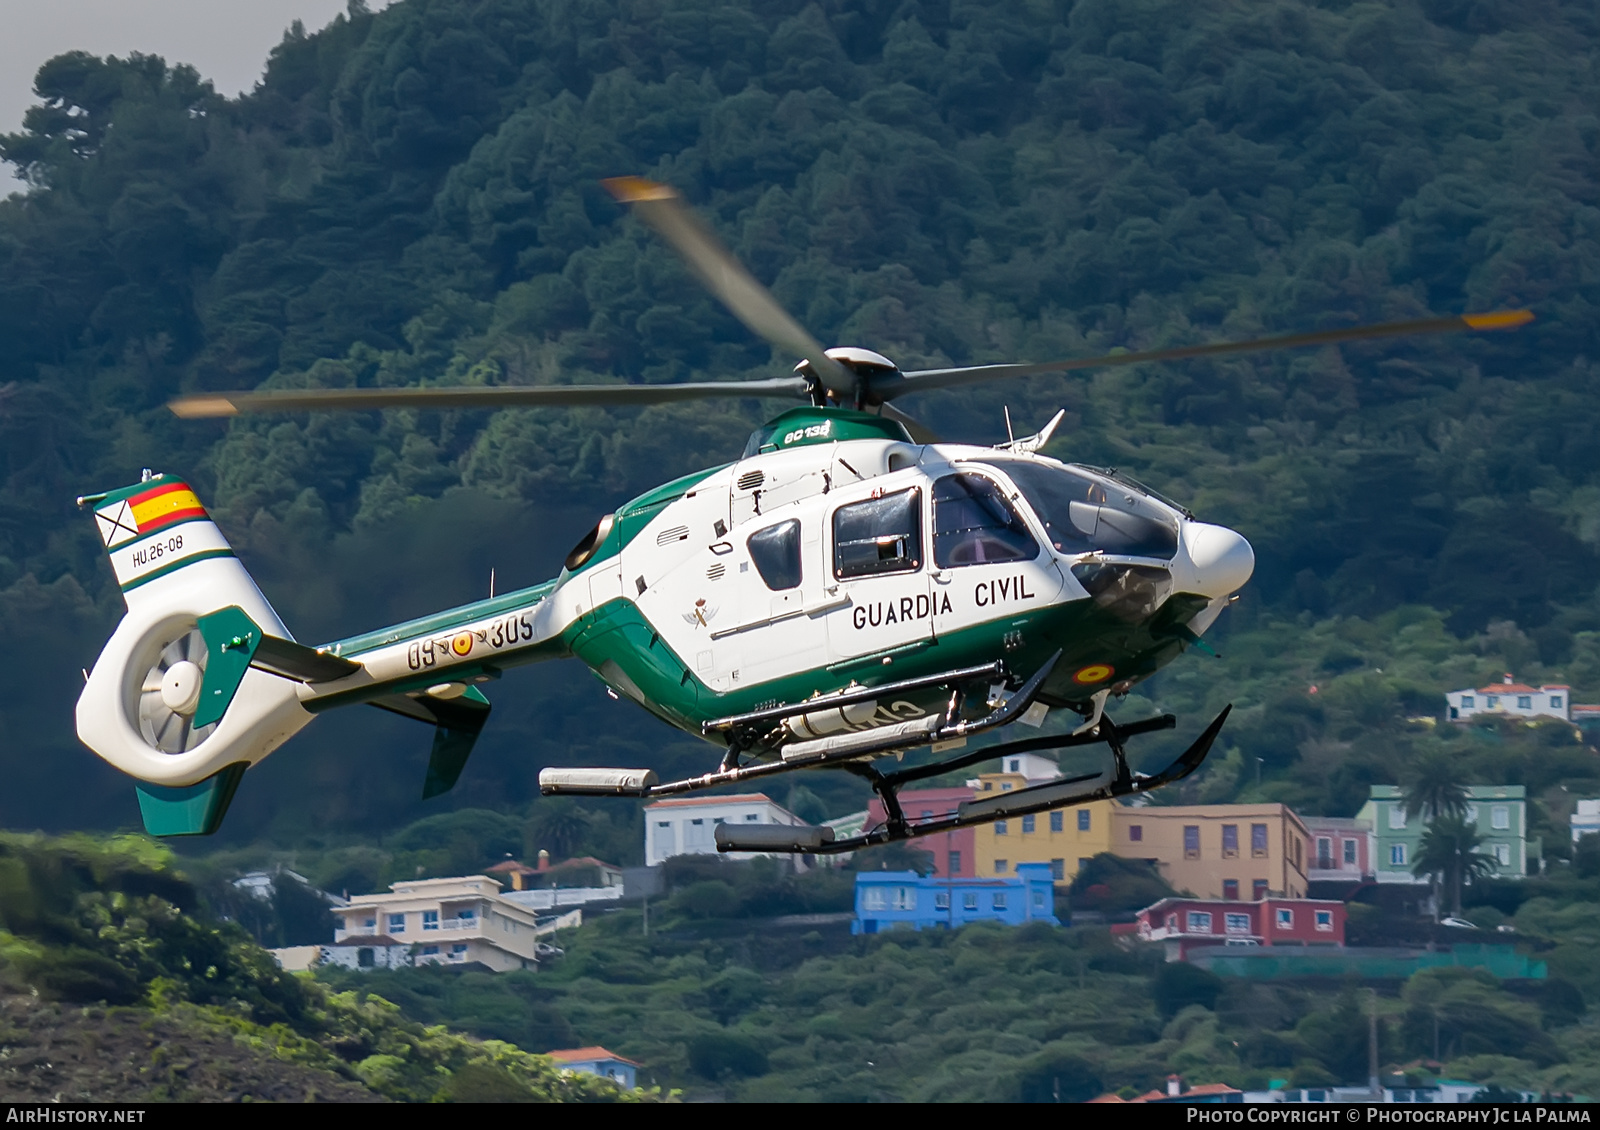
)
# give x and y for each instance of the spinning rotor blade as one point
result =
(724, 276)
(213, 404)
(900, 384)
(919, 431)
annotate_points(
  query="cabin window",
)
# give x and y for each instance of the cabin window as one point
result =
(776, 553)
(879, 535)
(1082, 514)
(974, 525)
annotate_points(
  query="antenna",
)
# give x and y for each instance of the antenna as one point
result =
(1010, 436)
(491, 582)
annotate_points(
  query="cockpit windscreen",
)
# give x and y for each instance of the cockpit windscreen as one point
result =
(1082, 514)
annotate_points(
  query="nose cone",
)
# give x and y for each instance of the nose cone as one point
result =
(1222, 560)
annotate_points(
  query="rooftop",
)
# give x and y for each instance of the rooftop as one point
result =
(584, 1055)
(711, 801)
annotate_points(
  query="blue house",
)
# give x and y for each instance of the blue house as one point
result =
(598, 1061)
(904, 900)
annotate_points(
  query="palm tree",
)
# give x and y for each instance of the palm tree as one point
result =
(1432, 787)
(1449, 852)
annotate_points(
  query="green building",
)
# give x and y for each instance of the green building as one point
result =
(1499, 811)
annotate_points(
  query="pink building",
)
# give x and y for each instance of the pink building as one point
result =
(952, 851)
(1341, 855)
(1184, 924)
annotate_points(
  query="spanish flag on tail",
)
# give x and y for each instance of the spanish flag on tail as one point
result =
(155, 528)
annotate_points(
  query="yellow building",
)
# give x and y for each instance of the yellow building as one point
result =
(1065, 838)
(1218, 851)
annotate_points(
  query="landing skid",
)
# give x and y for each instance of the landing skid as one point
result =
(760, 732)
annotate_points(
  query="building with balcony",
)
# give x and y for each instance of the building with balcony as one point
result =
(1235, 852)
(952, 852)
(904, 900)
(1185, 924)
(688, 825)
(1342, 851)
(1499, 811)
(444, 921)
(1511, 699)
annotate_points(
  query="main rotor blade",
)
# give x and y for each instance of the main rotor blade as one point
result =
(918, 430)
(214, 404)
(894, 385)
(663, 209)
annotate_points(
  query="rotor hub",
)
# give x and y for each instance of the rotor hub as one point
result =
(180, 687)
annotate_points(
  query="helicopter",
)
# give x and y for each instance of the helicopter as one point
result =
(849, 591)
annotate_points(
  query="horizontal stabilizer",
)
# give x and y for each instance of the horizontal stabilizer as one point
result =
(457, 723)
(772, 837)
(297, 661)
(596, 782)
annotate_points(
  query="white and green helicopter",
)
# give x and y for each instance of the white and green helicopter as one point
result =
(846, 592)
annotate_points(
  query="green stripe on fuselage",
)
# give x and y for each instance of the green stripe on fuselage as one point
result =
(439, 621)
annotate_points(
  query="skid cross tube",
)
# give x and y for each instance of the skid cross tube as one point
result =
(1037, 798)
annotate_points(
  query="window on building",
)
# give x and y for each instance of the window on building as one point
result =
(941, 900)
(466, 915)
(903, 898)
(1083, 819)
(1005, 786)
(1285, 918)
(1258, 840)
(1500, 817)
(1555, 702)
(1135, 833)
(953, 861)
(1038, 900)
(1236, 923)
(999, 900)
(973, 524)
(1230, 841)
(1258, 889)
(1324, 920)
(1058, 821)
(1467, 702)
(1199, 922)
(430, 951)
(1230, 890)
(1324, 852)
(1082, 863)
(879, 535)
(430, 919)
(1491, 701)
(662, 841)
(1397, 855)
(1002, 827)
(1191, 841)
(776, 553)
(874, 898)
(697, 836)
(969, 900)
(1000, 866)
(1058, 869)
(1027, 825)
(365, 957)
(1502, 854)
(1016, 765)
(1172, 921)
(397, 923)
(369, 924)
(1397, 816)
(1524, 702)
(1470, 814)
(1350, 853)
(458, 951)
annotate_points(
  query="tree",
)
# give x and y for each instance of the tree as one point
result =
(1449, 853)
(1433, 787)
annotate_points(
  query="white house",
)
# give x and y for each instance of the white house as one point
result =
(687, 825)
(1586, 821)
(447, 921)
(1513, 700)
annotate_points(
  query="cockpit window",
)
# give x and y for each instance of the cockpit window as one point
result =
(878, 535)
(776, 553)
(974, 525)
(1081, 514)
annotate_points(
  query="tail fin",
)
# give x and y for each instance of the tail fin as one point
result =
(174, 699)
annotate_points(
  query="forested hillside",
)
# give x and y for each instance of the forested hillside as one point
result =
(412, 197)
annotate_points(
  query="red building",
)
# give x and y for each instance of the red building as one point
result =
(952, 851)
(1183, 924)
(1342, 852)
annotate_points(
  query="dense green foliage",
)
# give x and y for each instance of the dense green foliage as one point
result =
(412, 196)
(110, 921)
(988, 1013)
